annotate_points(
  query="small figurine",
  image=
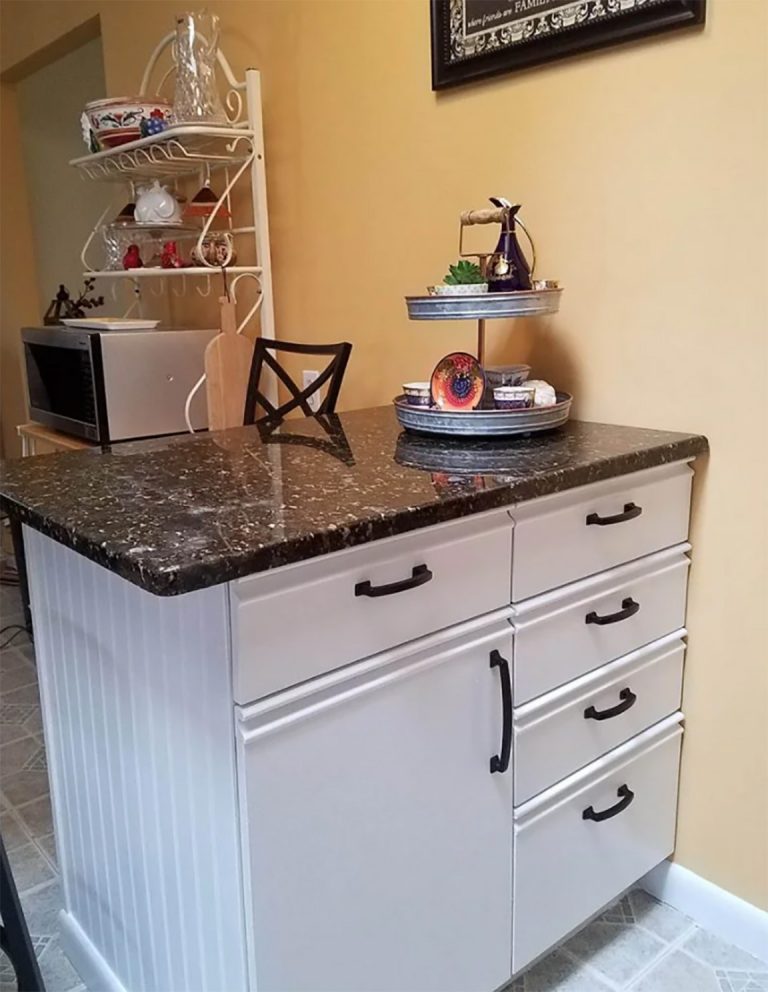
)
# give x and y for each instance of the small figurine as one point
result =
(170, 258)
(132, 258)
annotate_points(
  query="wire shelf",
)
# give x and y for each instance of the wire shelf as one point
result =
(158, 273)
(179, 151)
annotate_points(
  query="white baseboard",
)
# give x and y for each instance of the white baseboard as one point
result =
(713, 908)
(90, 965)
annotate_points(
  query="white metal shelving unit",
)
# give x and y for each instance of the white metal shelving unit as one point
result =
(234, 152)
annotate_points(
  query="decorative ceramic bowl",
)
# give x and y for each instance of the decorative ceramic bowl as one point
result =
(458, 382)
(460, 289)
(506, 375)
(417, 393)
(117, 120)
(514, 397)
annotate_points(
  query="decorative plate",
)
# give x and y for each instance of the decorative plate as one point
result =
(458, 382)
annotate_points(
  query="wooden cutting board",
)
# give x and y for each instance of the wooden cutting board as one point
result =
(227, 367)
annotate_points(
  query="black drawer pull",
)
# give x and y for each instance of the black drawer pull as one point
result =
(625, 794)
(628, 700)
(628, 609)
(500, 762)
(631, 510)
(419, 576)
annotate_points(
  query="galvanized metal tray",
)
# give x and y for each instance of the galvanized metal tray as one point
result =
(459, 457)
(482, 423)
(485, 306)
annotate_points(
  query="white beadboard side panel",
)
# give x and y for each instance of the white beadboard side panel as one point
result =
(139, 725)
(90, 965)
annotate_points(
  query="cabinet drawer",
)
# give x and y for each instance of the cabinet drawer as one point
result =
(299, 621)
(568, 728)
(564, 634)
(567, 867)
(582, 531)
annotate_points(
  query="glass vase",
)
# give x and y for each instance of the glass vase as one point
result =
(196, 98)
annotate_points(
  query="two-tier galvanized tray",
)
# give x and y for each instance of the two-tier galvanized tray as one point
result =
(482, 423)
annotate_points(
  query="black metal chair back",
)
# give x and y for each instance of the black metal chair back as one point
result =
(299, 398)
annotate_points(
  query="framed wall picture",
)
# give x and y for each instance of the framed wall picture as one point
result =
(472, 39)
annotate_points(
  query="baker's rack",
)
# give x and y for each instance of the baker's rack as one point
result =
(234, 151)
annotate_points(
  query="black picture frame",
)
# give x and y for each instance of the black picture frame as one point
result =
(518, 34)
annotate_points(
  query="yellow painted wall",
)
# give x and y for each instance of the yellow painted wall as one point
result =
(643, 176)
(18, 282)
(63, 208)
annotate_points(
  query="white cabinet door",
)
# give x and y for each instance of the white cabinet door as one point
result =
(378, 843)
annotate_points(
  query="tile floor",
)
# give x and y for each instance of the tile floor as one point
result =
(638, 944)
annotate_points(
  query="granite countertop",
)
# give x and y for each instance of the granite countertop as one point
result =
(178, 514)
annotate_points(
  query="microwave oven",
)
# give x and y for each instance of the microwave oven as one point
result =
(114, 385)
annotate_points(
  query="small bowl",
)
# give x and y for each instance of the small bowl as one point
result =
(417, 393)
(506, 375)
(514, 397)
(117, 120)
(461, 289)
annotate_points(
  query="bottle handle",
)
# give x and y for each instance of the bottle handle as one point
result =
(530, 242)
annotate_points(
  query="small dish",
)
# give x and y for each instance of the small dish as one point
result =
(417, 393)
(506, 375)
(514, 397)
(458, 382)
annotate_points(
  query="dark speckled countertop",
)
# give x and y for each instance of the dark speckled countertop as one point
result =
(178, 514)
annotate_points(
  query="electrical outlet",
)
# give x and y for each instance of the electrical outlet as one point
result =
(308, 376)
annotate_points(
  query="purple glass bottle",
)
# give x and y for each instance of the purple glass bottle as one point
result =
(508, 269)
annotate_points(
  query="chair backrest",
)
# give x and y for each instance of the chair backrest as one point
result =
(299, 397)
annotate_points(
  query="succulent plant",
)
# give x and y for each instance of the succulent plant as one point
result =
(463, 273)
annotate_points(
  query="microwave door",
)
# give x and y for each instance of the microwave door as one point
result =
(60, 381)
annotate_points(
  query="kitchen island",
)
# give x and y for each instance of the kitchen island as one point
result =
(339, 708)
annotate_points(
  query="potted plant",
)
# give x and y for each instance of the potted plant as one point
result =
(462, 279)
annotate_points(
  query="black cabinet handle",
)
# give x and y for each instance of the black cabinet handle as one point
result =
(628, 609)
(628, 700)
(631, 510)
(419, 576)
(625, 794)
(500, 762)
